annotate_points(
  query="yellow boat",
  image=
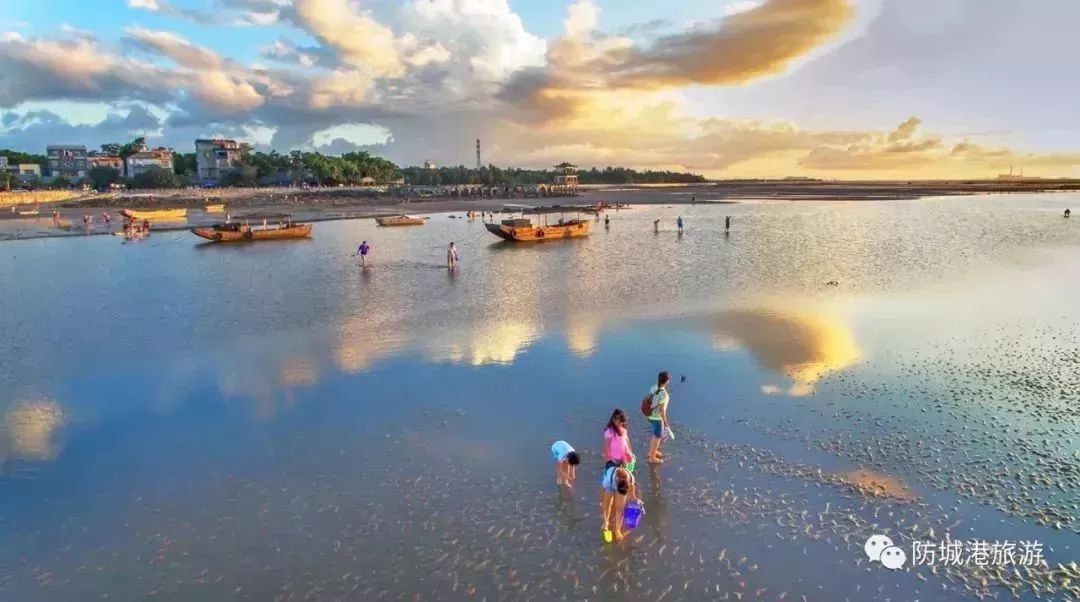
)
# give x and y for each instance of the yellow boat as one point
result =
(215, 208)
(155, 214)
(523, 230)
(401, 220)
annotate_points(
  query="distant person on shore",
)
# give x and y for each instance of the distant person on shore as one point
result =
(656, 226)
(1068, 213)
(56, 219)
(362, 251)
(607, 221)
(656, 402)
(566, 462)
(679, 223)
(693, 200)
(727, 223)
(617, 487)
(105, 218)
(146, 226)
(617, 450)
(451, 256)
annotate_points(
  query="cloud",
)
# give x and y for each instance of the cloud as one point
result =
(359, 40)
(174, 47)
(581, 19)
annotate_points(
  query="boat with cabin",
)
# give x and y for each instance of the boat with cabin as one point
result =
(523, 229)
(401, 220)
(274, 226)
(174, 214)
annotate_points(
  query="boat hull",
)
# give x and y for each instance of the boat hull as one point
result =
(575, 229)
(215, 235)
(400, 221)
(155, 214)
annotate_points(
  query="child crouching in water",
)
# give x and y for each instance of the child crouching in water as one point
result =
(566, 461)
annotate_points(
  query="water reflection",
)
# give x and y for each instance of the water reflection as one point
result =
(800, 346)
(30, 429)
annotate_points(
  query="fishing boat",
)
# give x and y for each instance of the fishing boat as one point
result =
(401, 220)
(523, 230)
(155, 214)
(29, 212)
(242, 229)
(220, 208)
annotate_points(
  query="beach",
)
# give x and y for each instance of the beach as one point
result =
(271, 421)
(321, 204)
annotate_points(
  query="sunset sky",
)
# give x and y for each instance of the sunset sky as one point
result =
(728, 88)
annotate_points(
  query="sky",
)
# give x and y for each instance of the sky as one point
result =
(838, 89)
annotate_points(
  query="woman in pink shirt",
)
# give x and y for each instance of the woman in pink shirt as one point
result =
(617, 449)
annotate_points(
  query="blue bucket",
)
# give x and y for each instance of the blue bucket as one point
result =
(632, 514)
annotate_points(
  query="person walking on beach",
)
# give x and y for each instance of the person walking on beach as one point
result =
(607, 221)
(617, 450)
(362, 251)
(656, 226)
(679, 224)
(105, 218)
(146, 227)
(727, 223)
(1068, 213)
(617, 487)
(566, 462)
(657, 403)
(451, 256)
(56, 219)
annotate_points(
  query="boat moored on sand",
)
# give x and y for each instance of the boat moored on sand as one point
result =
(154, 213)
(276, 226)
(401, 220)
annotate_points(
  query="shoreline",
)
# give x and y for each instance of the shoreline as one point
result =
(317, 205)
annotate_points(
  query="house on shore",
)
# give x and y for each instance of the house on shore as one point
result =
(215, 158)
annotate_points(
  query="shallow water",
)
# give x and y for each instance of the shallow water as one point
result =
(185, 421)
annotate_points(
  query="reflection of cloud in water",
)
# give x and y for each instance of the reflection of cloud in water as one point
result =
(494, 343)
(297, 372)
(801, 346)
(581, 338)
(30, 428)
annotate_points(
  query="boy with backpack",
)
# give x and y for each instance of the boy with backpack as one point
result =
(654, 407)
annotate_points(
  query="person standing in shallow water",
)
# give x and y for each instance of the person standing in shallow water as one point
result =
(656, 226)
(1068, 213)
(658, 419)
(727, 223)
(451, 256)
(362, 251)
(679, 224)
(617, 450)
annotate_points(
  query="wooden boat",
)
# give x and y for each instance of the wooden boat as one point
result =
(523, 230)
(220, 208)
(29, 212)
(242, 230)
(401, 220)
(155, 214)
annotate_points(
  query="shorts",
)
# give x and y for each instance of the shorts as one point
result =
(657, 427)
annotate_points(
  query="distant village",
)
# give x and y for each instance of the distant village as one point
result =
(225, 162)
(70, 164)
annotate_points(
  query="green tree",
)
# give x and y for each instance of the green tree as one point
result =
(101, 177)
(61, 182)
(5, 180)
(245, 175)
(184, 163)
(111, 149)
(155, 177)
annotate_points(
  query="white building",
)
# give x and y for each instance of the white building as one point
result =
(142, 161)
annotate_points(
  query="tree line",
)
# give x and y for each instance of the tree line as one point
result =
(313, 168)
